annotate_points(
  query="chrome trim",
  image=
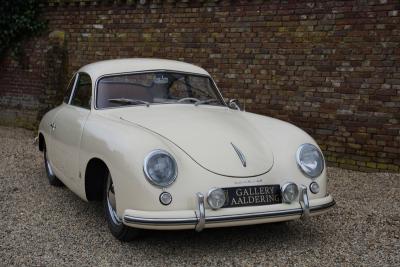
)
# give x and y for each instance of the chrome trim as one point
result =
(225, 218)
(322, 207)
(298, 160)
(111, 204)
(314, 191)
(208, 197)
(253, 216)
(283, 188)
(240, 155)
(304, 203)
(95, 87)
(200, 213)
(165, 193)
(147, 175)
(160, 221)
(49, 168)
(232, 103)
(72, 80)
(73, 88)
(218, 91)
(78, 74)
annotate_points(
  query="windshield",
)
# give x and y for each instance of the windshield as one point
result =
(156, 87)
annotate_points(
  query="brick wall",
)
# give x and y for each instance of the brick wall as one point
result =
(330, 67)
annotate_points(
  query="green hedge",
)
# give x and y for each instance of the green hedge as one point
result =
(19, 21)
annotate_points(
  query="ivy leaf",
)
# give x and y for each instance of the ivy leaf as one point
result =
(19, 21)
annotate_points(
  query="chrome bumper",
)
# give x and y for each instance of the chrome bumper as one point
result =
(201, 220)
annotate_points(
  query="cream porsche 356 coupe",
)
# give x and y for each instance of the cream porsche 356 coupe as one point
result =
(156, 142)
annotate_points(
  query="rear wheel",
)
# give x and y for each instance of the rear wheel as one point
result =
(117, 228)
(53, 180)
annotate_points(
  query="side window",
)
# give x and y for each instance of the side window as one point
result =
(83, 91)
(69, 89)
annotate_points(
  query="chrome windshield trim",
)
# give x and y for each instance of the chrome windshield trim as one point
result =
(95, 87)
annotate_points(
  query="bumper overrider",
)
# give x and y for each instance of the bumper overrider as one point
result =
(198, 219)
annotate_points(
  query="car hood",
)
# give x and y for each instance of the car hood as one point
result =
(219, 139)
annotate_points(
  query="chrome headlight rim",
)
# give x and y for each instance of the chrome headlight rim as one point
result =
(209, 200)
(148, 176)
(299, 165)
(284, 194)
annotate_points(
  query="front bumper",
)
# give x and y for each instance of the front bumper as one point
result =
(202, 218)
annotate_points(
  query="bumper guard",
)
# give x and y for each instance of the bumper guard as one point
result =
(200, 220)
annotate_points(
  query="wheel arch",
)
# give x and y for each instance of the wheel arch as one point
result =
(95, 176)
(42, 143)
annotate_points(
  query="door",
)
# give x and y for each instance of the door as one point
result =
(69, 125)
(50, 142)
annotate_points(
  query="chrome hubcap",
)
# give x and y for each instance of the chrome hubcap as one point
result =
(49, 169)
(111, 203)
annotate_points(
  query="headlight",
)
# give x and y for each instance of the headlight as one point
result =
(310, 160)
(160, 168)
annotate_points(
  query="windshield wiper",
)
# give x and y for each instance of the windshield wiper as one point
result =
(200, 102)
(128, 101)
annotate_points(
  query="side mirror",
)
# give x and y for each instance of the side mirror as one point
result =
(234, 104)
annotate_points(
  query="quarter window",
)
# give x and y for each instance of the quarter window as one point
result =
(83, 91)
(69, 89)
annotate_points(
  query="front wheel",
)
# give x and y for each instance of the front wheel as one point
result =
(117, 228)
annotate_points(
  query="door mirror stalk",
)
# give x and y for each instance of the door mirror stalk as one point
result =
(233, 104)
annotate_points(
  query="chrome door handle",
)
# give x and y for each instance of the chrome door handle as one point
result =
(53, 126)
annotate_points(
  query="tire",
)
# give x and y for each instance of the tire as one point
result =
(117, 228)
(53, 180)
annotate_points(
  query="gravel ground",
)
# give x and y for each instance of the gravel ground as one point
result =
(44, 225)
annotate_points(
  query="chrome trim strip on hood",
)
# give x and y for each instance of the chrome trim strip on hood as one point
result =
(240, 155)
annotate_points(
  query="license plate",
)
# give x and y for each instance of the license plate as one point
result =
(252, 195)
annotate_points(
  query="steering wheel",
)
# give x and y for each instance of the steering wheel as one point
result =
(188, 99)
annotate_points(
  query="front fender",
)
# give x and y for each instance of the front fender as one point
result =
(285, 139)
(123, 147)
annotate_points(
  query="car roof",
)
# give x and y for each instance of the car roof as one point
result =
(116, 66)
